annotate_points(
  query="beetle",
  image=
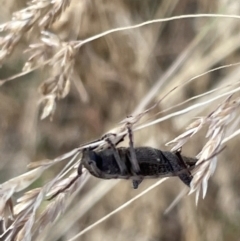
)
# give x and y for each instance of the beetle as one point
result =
(153, 163)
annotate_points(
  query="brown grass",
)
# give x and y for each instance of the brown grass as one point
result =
(86, 65)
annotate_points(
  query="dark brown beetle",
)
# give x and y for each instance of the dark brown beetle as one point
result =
(153, 163)
(116, 163)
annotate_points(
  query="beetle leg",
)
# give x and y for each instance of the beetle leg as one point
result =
(133, 158)
(136, 183)
(95, 170)
(80, 169)
(180, 160)
(186, 177)
(121, 164)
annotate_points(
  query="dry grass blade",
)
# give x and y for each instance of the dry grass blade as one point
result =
(52, 212)
(28, 17)
(58, 86)
(118, 209)
(217, 122)
(26, 201)
(192, 129)
(21, 182)
(55, 208)
(62, 185)
(186, 110)
(97, 36)
(25, 210)
(25, 232)
(7, 214)
(232, 85)
(40, 14)
(212, 146)
(17, 184)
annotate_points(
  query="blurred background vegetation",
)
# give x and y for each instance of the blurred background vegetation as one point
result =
(116, 73)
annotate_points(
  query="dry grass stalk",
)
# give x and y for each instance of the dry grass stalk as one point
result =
(118, 209)
(15, 185)
(60, 56)
(56, 207)
(57, 86)
(217, 121)
(25, 211)
(38, 15)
